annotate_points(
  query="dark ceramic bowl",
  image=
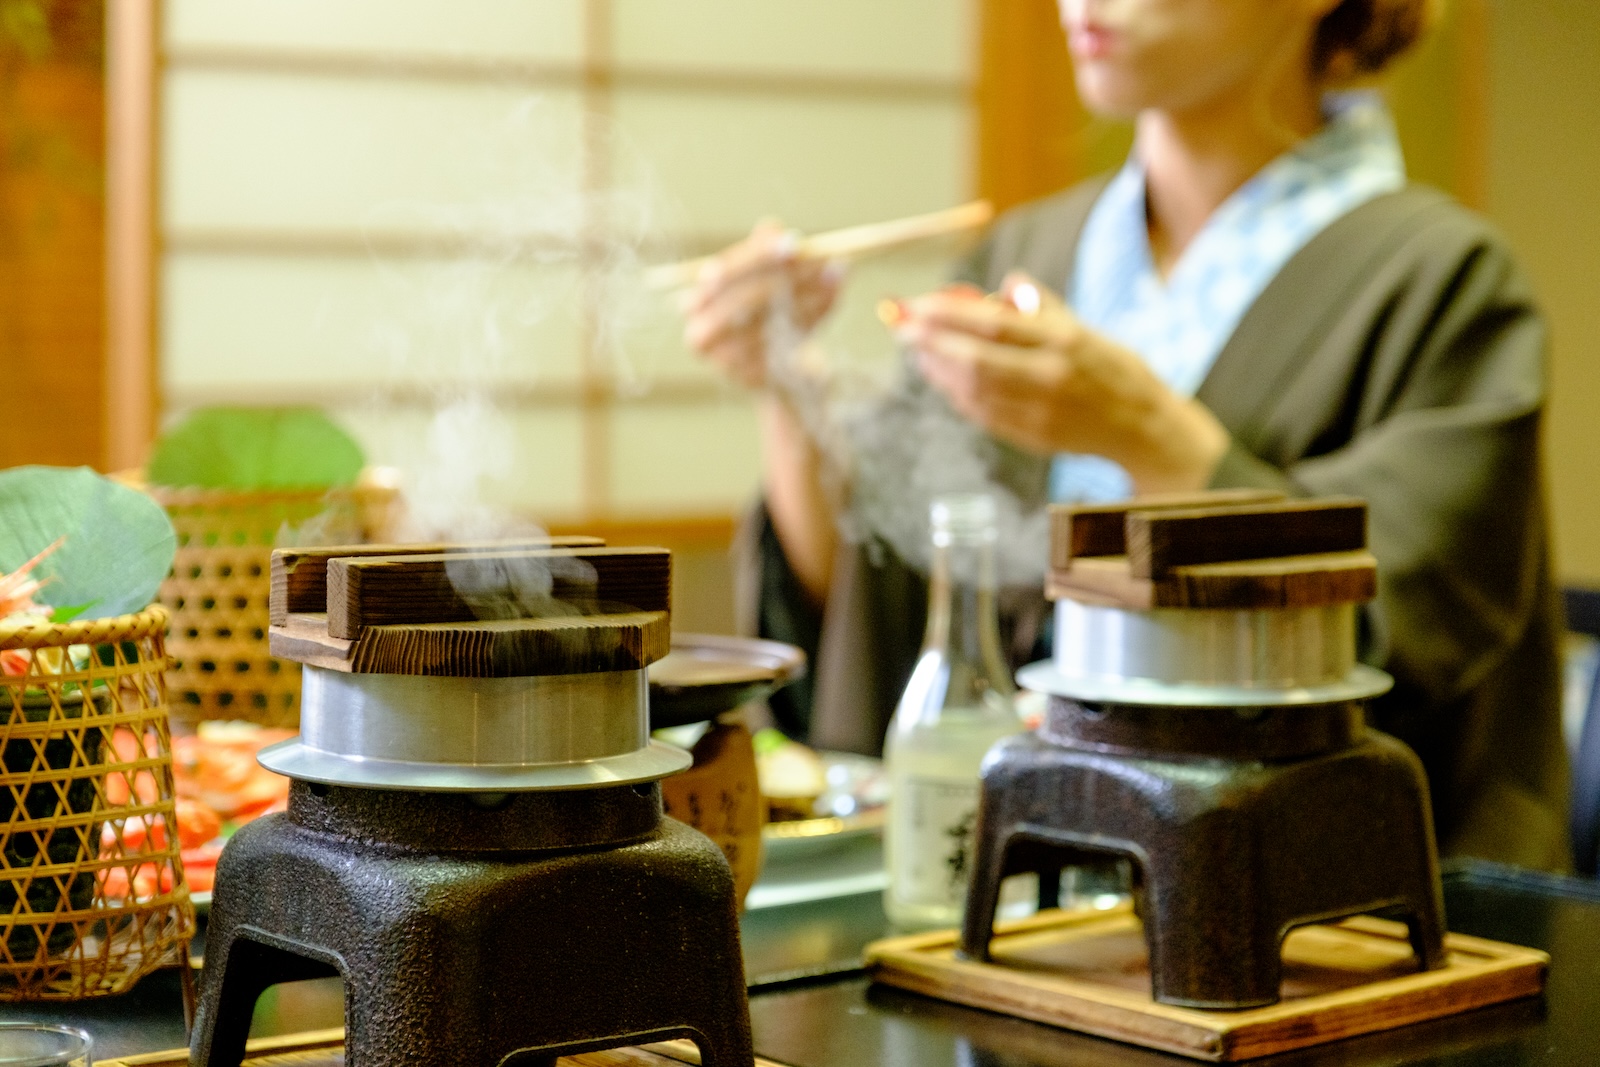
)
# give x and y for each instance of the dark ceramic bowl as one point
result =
(707, 674)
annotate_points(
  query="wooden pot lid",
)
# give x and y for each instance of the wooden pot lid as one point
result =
(474, 611)
(1234, 549)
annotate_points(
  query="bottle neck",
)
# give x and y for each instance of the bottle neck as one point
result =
(963, 615)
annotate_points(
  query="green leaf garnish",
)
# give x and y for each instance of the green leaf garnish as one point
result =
(256, 448)
(70, 612)
(119, 543)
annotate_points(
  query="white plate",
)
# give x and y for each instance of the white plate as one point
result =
(851, 807)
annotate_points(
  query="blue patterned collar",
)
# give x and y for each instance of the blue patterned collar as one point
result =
(1180, 324)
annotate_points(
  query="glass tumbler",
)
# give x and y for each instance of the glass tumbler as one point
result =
(44, 1045)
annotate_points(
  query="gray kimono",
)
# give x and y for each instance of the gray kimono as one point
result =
(1398, 357)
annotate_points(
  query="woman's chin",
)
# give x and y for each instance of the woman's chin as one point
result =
(1109, 94)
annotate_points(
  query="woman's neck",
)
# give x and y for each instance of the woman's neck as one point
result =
(1195, 158)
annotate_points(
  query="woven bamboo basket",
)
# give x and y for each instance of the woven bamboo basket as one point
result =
(92, 896)
(219, 585)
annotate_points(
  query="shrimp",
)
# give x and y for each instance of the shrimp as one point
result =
(16, 598)
(17, 589)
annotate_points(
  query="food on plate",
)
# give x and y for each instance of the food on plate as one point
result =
(219, 785)
(792, 776)
(218, 768)
(200, 865)
(144, 880)
(197, 824)
(124, 786)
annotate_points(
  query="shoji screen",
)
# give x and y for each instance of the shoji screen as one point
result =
(366, 202)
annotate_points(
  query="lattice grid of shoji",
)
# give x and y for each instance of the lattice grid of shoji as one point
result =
(365, 202)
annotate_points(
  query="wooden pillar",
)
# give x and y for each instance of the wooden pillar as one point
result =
(1439, 95)
(1472, 94)
(131, 241)
(51, 170)
(1029, 120)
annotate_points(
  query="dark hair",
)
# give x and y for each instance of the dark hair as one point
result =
(1363, 36)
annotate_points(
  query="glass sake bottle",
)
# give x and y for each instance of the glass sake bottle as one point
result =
(958, 703)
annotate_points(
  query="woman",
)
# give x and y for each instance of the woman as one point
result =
(1256, 299)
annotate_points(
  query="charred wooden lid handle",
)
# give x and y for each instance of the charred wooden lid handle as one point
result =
(1078, 530)
(1238, 549)
(300, 575)
(1158, 541)
(487, 612)
(506, 584)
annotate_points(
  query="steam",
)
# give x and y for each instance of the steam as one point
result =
(892, 445)
(910, 448)
(529, 587)
(513, 283)
(469, 320)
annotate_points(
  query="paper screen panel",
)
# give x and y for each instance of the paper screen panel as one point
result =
(924, 39)
(684, 459)
(373, 155)
(296, 206)
(343, 322)
(527, 461)
(653, 353)
(724, 160)
(548, 30)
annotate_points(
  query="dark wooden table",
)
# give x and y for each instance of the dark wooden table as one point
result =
(811, 1006)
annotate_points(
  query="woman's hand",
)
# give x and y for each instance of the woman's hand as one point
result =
(1023, 367)
(736, 296)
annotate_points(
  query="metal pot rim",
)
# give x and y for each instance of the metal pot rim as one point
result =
(297, 760)
(447, 734)
(1360, 683)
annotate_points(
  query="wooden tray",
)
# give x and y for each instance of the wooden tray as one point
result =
(1088, 971)
(325, 1048)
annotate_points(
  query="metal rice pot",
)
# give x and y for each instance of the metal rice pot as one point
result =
(1223, 754)
(485, 862)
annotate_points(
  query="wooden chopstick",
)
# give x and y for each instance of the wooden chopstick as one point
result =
(850, 243)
